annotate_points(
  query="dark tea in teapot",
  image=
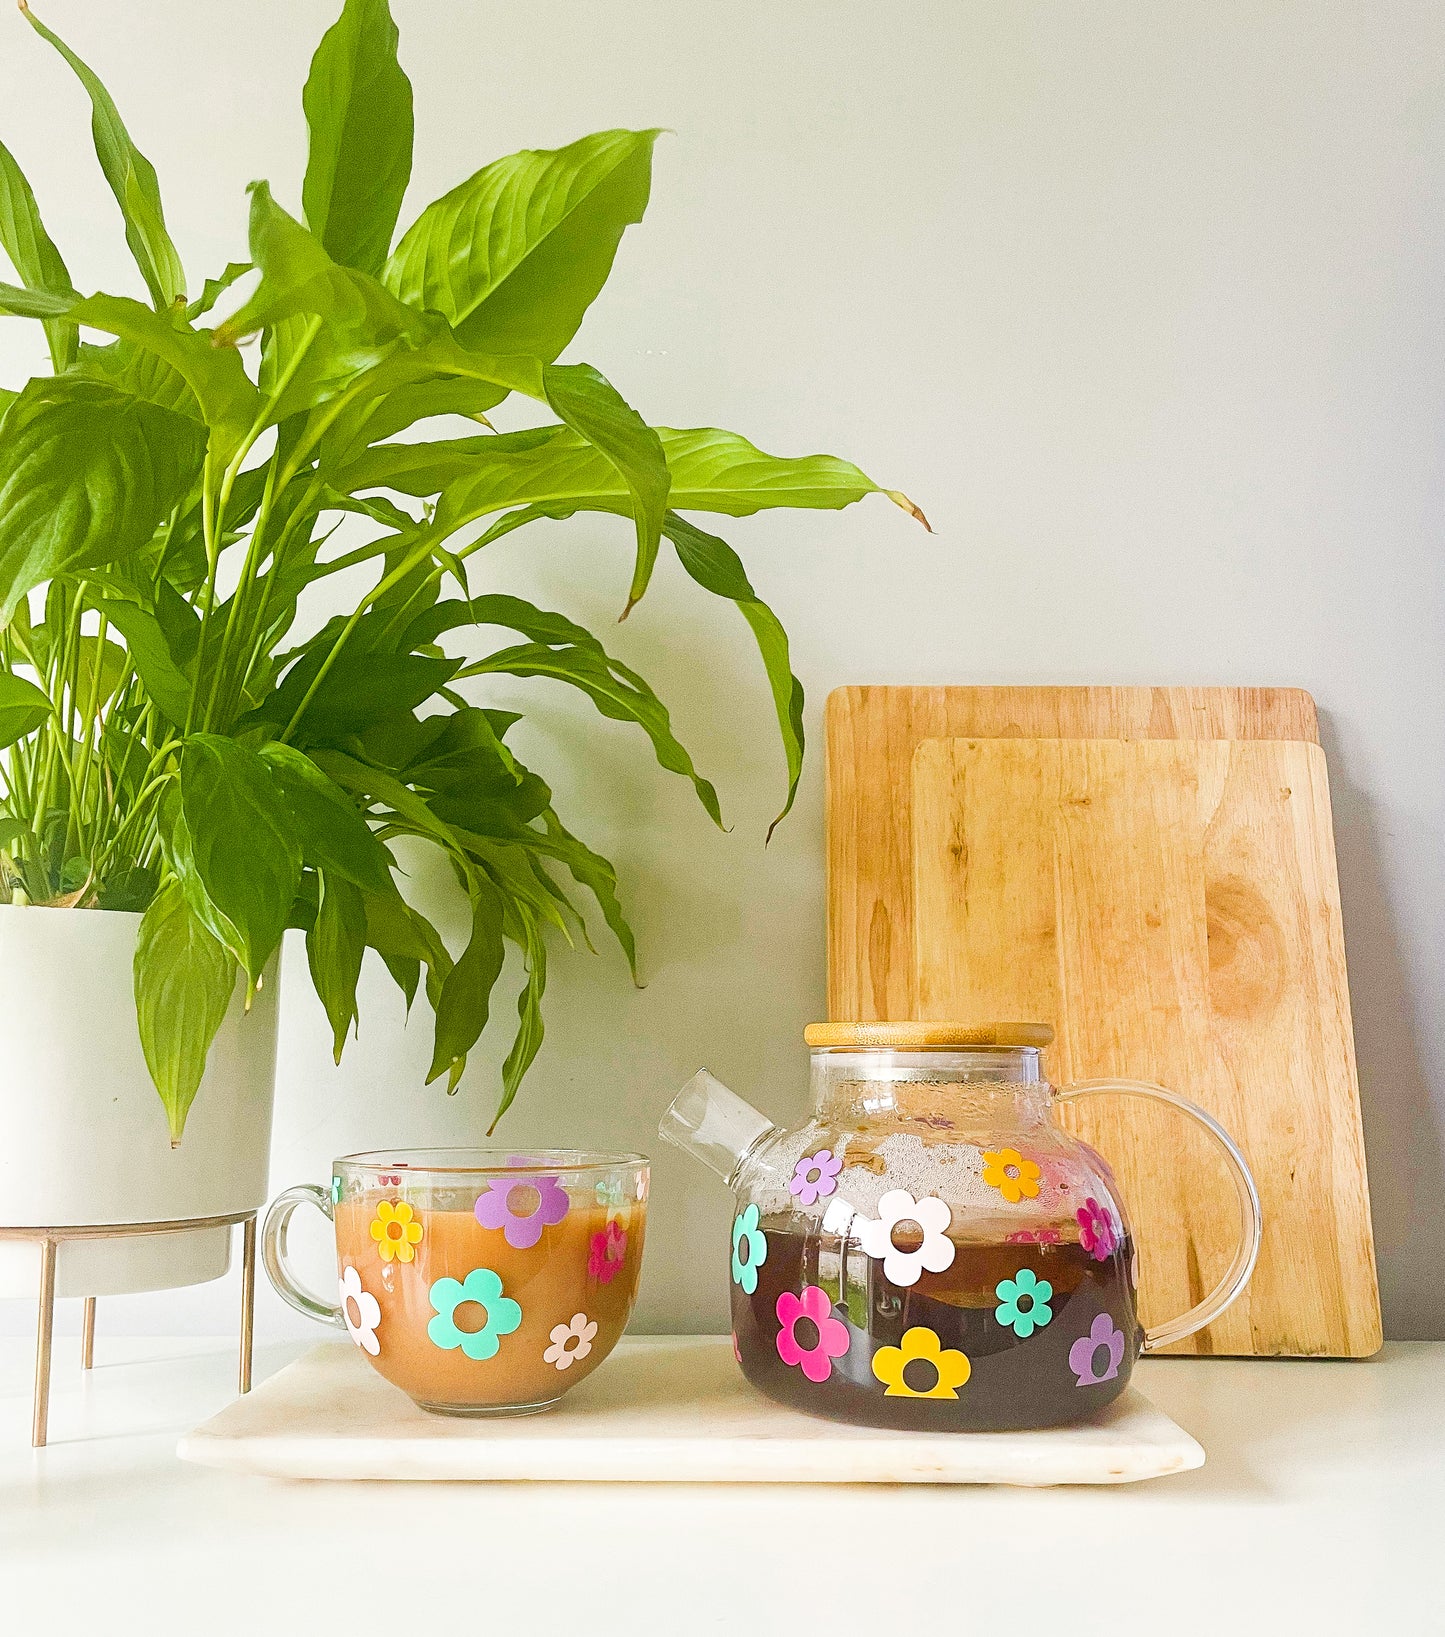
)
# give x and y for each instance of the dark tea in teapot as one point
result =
(932, 1251)
(947, 1351)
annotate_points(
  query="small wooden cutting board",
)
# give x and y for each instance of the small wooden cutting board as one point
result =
(1172, 907)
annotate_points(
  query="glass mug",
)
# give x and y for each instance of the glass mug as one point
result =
(479, 1283)
(931, 1250)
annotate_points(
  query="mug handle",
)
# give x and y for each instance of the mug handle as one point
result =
(273, 1252)
(1250, 1221)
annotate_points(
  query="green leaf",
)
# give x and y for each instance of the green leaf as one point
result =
(717, 471)
(377, 785)
(150, 653)
(23, 707)
(358, 686)
(132, 180)
(358, 111)
(41, 304)
(242, 841)
(556, 472)
(299, 277)
(213, 289)
(590, 870)
(528, 1039)
(130, 888)
(137, 374)
(334, 948)
(423, 469)
(111, 659)
(717, 568)
(568, 653)
(403, 406)
(406, 941)
(184, 980)
(86, 475)
(595, 410)
(32, 250)
(514, 256)
(333, 835)
(224, 396)
(462, 1006)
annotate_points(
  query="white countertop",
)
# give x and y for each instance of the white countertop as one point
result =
(1320, 1510)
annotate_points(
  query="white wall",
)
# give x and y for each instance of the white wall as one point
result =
(1141, 301)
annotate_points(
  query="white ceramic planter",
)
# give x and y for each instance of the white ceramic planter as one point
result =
(83, 1135)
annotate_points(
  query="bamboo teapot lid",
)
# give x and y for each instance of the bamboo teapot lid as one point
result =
(931, 1036)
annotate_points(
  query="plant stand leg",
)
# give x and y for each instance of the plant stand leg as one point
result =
(87, 1336)
(44, 1332)
(248, 1298)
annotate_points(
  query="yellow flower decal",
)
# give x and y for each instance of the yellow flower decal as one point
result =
(394, 1231)
(1015, 1177)
(945, 1372)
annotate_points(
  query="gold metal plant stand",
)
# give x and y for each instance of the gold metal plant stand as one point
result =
(50, 1239)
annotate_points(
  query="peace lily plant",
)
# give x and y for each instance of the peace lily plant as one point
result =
(174, 741)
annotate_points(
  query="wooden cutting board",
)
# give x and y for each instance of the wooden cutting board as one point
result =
(1309, 1296)
(1172, 907)
(871, 736)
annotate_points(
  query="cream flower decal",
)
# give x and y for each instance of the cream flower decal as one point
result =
(360, 1312)
(571, 1342)
(905, 1264)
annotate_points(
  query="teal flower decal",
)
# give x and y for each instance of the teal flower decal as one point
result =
(750, 1249)
(336, 1190)
(609, 1193)
(483, 1287)
(1023, 1303)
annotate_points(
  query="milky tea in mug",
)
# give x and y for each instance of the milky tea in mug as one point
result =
(479, 1283)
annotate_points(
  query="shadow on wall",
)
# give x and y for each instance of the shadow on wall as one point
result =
(1402, 1141)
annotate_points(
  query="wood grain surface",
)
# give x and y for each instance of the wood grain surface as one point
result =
(1172, 907)
(871, 736)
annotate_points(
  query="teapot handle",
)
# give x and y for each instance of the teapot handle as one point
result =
(1250, 1221)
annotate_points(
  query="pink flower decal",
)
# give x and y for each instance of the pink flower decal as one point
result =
(815, 1177)
(1084, 1354)
(522, 1207)
(607, 1251)
(816, 1362)
(1097, 1233)
(1032, 1236)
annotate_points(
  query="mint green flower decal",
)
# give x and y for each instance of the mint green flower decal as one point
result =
(750, 1249)
(1023, 1303)
(336, 1190)
(483, 1287)
(610, 1193)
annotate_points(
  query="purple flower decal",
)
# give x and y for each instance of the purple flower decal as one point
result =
(815, 1177)
(522, 1207)
(1097, 1233)
(1084, 1354)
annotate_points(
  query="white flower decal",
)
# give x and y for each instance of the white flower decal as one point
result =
(361, 1329)
(581, 1330)
(903, 1267)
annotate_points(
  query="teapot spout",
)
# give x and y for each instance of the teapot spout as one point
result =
(715, 1126)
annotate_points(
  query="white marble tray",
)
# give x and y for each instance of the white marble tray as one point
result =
(663, 1409)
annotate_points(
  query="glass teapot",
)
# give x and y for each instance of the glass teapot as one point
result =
(931, 1250)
